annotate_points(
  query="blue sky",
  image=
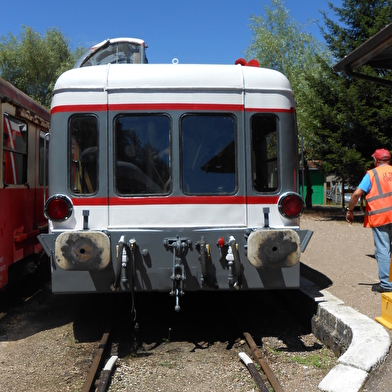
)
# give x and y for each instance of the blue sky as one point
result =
(194, 31)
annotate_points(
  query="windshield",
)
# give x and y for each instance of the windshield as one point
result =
(109, 52)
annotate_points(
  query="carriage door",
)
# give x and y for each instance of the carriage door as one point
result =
(87, 168)
(141, 160)
(263, 167)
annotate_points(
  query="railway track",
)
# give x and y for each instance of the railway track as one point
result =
(193, 350)
(100, 384)
(271, 377)
(93, 381)
(179, 342)
(98, 378)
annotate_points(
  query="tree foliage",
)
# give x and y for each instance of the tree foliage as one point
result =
(33, 63)
(343, 120)
(280, 43)
(358, 21)
(350, 118)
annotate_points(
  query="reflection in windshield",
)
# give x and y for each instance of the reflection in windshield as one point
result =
(142, 154)
(208, 154)
(120, 53)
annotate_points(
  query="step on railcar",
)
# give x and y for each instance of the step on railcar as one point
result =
(24, 124)
(174, 178)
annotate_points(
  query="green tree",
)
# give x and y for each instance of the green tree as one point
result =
(33, 63)
(280, 43)
(350, 118)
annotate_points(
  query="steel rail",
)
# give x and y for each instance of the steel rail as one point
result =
(96, 362)
(264, 365)
(253, 371)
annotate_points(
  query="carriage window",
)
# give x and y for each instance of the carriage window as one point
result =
(208, 154)
(83, 154)
(43, 158)
(116, 53)
(264, 153)
(14, 151)
(142, 154)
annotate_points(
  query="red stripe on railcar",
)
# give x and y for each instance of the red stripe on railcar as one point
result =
(79, 108)
(270, 110)
(176, 106)
(164, 106)
(173, 200)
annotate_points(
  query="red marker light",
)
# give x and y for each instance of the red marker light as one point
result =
(254, 63)
(221, 242)
(291, 205)
(241, 61)
(58, 208)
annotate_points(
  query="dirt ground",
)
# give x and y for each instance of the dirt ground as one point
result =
(48, 342)
(345, 254)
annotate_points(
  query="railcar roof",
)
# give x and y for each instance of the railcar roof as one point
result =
(189, 76)
(121, 39)
(9, 93)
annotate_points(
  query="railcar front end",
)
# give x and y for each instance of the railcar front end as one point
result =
(173, 178)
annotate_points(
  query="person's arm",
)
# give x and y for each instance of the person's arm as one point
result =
(353, 202)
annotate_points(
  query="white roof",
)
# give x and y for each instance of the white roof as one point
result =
(162, 78)
(172, 75)
(115, 40)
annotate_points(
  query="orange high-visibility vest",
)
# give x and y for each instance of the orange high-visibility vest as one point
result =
(379, 199)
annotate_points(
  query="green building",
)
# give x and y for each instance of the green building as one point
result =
(317, 180)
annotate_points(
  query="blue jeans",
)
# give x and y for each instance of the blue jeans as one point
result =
(382, 241)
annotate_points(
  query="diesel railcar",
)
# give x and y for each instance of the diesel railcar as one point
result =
(173, 177)
(24, 124)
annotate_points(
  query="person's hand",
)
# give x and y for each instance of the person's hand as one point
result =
(349, 216)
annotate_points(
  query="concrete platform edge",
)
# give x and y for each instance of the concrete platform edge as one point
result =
(368, 342)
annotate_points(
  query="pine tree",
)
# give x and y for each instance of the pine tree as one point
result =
(350, 118)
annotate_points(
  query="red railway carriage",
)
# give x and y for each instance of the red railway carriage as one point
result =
(24, 124)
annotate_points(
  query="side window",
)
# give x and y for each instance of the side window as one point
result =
(264, 153)
(83, 154)
(43, 158)
(14, 151)
(208, 158)
(142, 154)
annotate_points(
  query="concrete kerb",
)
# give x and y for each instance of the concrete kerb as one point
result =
(367, 341)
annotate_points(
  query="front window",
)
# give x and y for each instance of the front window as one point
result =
(264, 153)
(142, 154)
(14, 151)
(117, 53)
(83, 154)
(208, 145)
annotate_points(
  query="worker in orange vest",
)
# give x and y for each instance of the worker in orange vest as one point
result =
(377, 187)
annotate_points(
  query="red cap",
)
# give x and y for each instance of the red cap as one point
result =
(382, 155)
